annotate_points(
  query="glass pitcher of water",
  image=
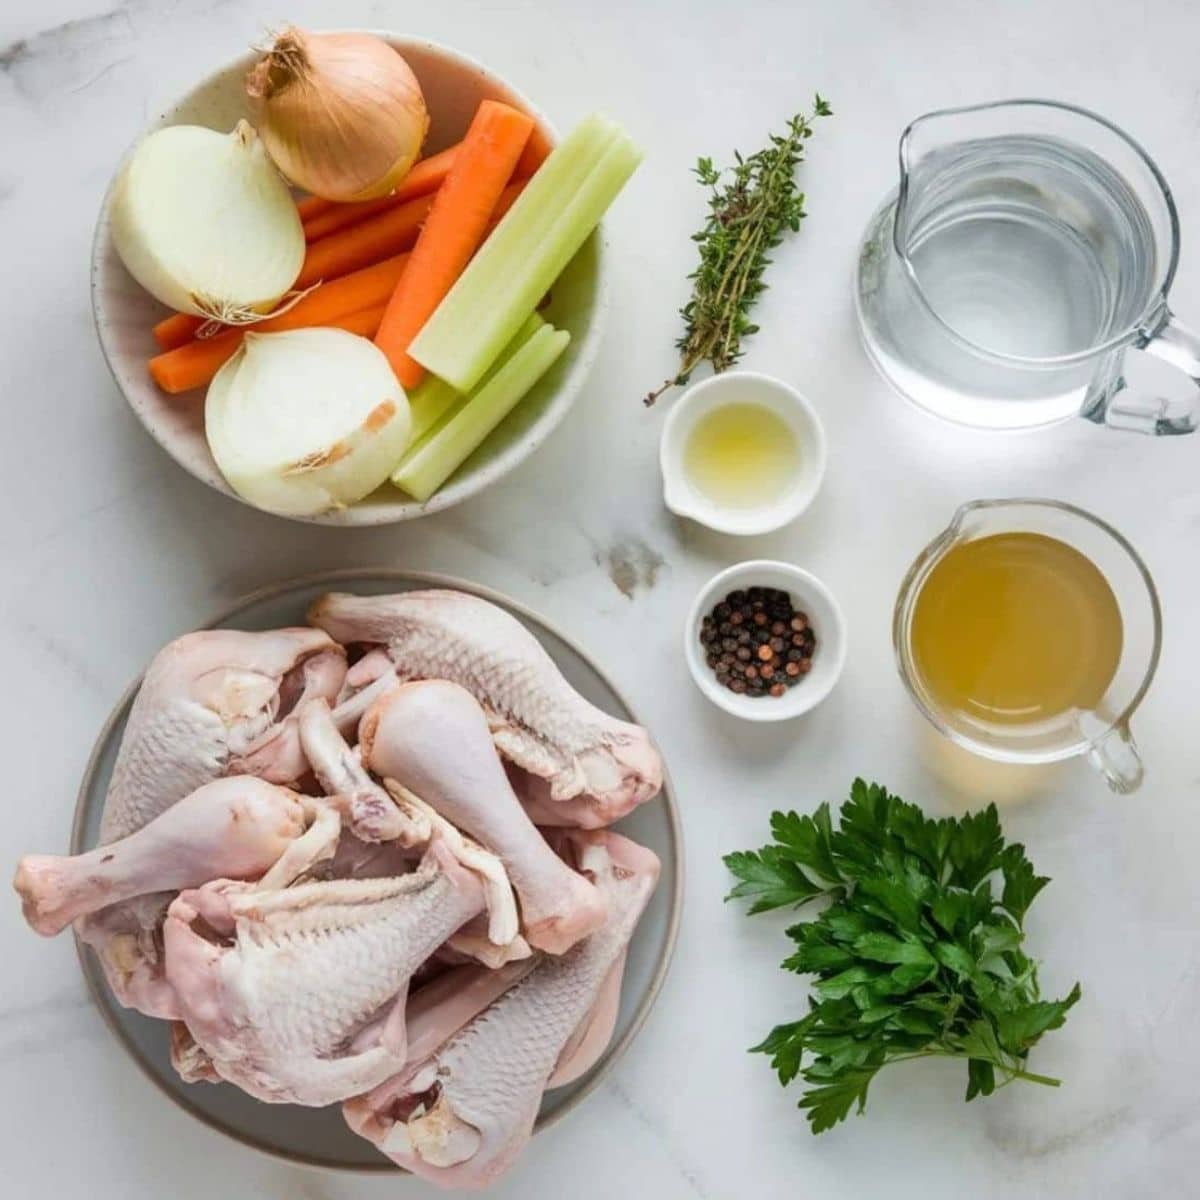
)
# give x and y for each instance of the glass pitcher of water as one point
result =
(1029, 247)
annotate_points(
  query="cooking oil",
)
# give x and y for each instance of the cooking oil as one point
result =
(741, 455)
(1014, 629)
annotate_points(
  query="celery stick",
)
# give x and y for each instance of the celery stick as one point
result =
(429, 402)
(432, 463)
(516, 266)
(433, 402)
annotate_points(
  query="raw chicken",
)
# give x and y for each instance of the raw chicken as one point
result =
(377, 816)
(406, 819)
(207, 698)
(232, 828)
(301, 998)
(537, 719)
(279, 755)
(127, 940)
(461, 1117)
(432, 738)
(592, 1037)
(191, 1064)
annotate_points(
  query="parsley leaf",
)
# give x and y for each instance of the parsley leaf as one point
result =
(914, 954)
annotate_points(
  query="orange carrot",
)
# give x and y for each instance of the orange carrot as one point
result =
(367, 242)
(310, 206)
(536, 151)
(177, 330)
(427, 176)
(505, 202)
(456, 225)
(195, 363)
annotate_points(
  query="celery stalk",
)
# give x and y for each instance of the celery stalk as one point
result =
(526, 253)
(427, 467)
(428, 403)
(433, 402)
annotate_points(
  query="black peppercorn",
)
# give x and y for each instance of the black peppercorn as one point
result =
(756, 643)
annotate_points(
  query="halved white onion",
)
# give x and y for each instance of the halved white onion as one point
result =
(306, 421)
(205, 223)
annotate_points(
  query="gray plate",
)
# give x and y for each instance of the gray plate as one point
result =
(318, 1136)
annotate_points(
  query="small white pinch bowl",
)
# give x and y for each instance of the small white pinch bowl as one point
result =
(809, 595)
(745, 387)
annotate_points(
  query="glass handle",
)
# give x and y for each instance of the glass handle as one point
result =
(1141, 411)
(1116, 757)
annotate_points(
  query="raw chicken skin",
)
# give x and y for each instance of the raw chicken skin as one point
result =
(309, 967)
(232, 828)
(127, 940)
(461, 1118)
(537, 719)
(432, 737)
(206, 697)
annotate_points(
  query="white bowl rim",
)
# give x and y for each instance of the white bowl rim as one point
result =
(772, 518)
(346, 576)
(764, 710)
(585, 349)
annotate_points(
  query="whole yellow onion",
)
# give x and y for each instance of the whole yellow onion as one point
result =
(341, 114)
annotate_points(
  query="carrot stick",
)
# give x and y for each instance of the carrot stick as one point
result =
(456, 225)
(507, 197)
(310, 206)
(177, 330)
(367, 242)
(536, 151)
(427, 176)
(194, 364)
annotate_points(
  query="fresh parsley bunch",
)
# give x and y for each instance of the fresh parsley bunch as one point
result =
(918, 954)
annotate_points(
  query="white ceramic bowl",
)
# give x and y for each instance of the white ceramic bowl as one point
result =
(810, 596)
(453, 85)
(749, 387)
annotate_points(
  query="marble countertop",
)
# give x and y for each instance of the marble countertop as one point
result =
(110, 550)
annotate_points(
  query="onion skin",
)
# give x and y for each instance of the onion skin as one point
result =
(341, 114)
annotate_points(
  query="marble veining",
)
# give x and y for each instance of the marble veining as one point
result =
(109, 550)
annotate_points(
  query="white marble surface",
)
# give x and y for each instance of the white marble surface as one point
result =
(109, 550)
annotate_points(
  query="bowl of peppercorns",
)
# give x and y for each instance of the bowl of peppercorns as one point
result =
(765, 641)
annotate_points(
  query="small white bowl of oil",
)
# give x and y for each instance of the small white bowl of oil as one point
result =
(742, 453)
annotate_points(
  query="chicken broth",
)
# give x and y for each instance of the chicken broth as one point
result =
(1015, 628)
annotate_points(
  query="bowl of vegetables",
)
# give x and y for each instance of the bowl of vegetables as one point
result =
(354, 279)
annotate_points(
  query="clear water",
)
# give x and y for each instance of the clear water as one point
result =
(1028, 247)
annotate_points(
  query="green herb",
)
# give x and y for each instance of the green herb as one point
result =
(748, 213)
(915, 956)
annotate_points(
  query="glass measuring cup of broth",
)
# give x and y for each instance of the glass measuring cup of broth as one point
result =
(1026, 253)
(1028, 631)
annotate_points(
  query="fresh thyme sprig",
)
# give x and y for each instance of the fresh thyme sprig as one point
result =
(749, 211)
